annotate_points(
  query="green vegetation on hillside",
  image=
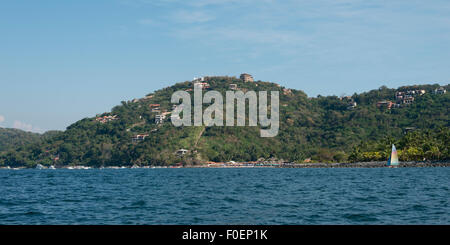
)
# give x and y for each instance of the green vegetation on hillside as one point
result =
(418, 145)
(324, 129)
(12, 138)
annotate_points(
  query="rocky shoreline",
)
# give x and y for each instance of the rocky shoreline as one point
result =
(366, 165)
(280, 165)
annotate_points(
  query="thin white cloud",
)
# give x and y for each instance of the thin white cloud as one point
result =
(2, 118)
(189, 17)
(203, 3)
(179, 17)
(148, 22)
(26, 127)
(195, 3)
(279, 39)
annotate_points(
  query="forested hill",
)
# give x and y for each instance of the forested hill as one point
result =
(331, 128)
(11, 138)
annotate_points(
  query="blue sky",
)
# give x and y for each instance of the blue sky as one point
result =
(61, 61)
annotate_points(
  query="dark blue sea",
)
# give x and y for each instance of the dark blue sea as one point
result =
(226, 196)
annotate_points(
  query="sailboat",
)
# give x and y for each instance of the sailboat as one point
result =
(393, 158)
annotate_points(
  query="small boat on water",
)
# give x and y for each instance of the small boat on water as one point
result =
(393, 158)
(40, 166)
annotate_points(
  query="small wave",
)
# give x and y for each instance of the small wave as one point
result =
(259, 186)
(139, 203)
(71, 200)
(33, 213)
(192, 203)
(286, 205)
(360, 217)
(366, 199)
(7, 203)
(419, 207)
(230, 199)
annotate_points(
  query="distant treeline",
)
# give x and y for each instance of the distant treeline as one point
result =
(420, 145)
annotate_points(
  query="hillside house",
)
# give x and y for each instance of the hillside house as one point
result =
(351, 105)
(385, 104)
(287, 91)
(348, 97)
(408, 100)
(182, 152)
(233, 86)
(139, 137)
(408, 129)
(159, 118)
(200, 79)
(246, 77)
(202, 85)
(440, 90)
(407, 97)
(106, 119)
(399, 95)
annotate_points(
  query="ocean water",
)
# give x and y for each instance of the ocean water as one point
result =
(226, 196)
